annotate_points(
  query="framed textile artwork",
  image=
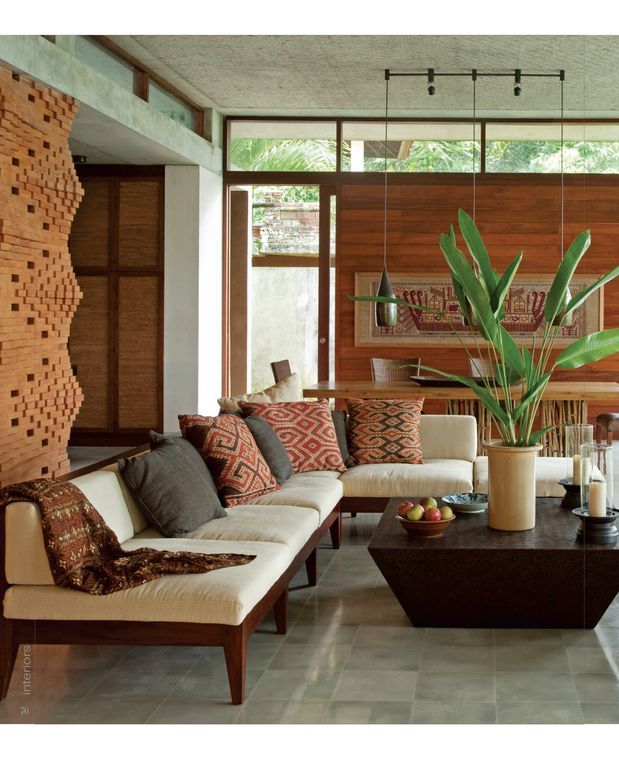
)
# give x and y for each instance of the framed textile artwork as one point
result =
(524, 308)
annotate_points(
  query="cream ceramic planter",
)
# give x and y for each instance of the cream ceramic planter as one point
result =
(511, 486)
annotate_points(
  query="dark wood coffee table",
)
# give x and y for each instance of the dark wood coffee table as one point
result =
(477, 577)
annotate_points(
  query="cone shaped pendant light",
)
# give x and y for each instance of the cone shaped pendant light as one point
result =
(386, 314)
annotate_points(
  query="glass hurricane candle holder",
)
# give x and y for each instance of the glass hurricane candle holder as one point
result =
(575, 436)
(596, 479)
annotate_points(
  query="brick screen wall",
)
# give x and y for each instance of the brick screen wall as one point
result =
(39, 194)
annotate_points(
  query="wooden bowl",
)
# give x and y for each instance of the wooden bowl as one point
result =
(423, 529)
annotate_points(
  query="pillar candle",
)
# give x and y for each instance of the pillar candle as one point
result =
(576, 469)
(597, 499)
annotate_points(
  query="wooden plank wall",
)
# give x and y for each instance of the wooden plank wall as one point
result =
(39, 194)
(513, 212)
(116, 341)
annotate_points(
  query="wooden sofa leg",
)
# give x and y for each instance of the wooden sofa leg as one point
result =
(235, 650)
(311, 566)
(280, 612)
(336, 531)
(8, 653)
(353, 514)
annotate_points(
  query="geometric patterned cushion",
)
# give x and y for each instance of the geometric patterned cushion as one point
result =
(385, 431)
(306, 430)
(232, 456)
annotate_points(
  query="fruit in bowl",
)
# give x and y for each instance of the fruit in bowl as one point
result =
(424, 519)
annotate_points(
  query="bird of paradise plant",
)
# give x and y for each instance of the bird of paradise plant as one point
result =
(481, 293)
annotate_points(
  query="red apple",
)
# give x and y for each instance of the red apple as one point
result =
(428, 503)
(404, 507)
(433, 515)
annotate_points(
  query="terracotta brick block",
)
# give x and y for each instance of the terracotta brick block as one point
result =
(39, 396)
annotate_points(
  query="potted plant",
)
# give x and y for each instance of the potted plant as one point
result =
(481, 292)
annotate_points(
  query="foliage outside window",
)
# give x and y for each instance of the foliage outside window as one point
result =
(544, 157)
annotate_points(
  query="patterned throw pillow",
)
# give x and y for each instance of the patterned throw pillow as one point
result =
(306, 429)
(385, 431)
(232, 456)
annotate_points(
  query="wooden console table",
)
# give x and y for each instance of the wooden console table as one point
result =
(564, 402)
(477, 577)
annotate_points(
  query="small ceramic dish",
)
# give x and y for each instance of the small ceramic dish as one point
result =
(467, 503)
(423, 529)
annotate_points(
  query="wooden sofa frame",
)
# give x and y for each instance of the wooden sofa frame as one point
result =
(233, 638)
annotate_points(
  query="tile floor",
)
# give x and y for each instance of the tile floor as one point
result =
(350, 656)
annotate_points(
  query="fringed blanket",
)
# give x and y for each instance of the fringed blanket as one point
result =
(84, 553)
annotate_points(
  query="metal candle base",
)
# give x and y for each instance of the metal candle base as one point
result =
(571, 499)
(598, 530)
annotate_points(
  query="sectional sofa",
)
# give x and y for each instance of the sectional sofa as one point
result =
(222, 608)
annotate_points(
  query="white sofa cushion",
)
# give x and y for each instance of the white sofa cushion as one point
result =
(223, 596)
(107, 493)
(447, 436)
(25, 560)
(269, 524)
(139, 520)
(435, 477)
(320, 491)
(548, 470)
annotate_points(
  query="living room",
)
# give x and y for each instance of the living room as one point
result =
(309, 351)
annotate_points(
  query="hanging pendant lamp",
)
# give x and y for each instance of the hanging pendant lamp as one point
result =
(567, 322)
(468, 317)
(386, 314)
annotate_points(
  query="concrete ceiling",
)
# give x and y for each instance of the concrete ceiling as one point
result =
(343, 75)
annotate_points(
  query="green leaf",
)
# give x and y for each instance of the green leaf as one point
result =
(477, 249)
(475, 293)
(529, 368)
(536, 436)
(501, 290)
(589, 349)
(531, 395)
(489, 401)
(582, 296)
(510, 354)
(555, 300)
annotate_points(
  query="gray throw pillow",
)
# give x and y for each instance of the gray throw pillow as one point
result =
(339, 422)
(172, 487)
(270, 447)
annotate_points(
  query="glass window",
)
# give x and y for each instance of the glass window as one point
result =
(176, 109)
(411, 147)
(281, 146)
(536, 148)
(105, 62)
(285, 220)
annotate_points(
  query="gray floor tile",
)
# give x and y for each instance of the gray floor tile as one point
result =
(397, 658)
(532, 658)
(457, 659)
(303, 656)
(376, 685)
(201, 685)
(535, 687)
(151, 683)
(598, 688)
(596, 638)
(381, 635)
(318, 635)
(593, 660)
(600, 714)
(292, 684)
(104, 711)
(528, 637)
(472, 688)
(193, 712)
(452, 713)
(451, 636)
(539, 714)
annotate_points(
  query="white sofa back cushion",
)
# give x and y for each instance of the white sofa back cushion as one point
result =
(103, 489)
(26, 559)
(448, 436)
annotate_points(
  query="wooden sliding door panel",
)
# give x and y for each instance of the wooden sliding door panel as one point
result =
(90, 233)
(139, 223)
(138, 351)
(90, 347)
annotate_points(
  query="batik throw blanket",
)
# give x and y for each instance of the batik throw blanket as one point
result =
(84, 553)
